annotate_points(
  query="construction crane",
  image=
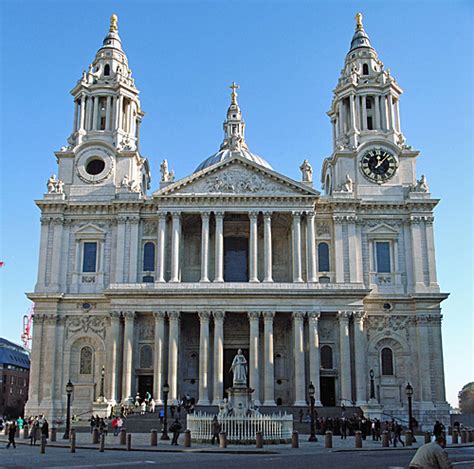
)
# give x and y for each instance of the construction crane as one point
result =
(27, 325)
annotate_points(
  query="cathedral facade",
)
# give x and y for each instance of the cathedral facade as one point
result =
(137, 289)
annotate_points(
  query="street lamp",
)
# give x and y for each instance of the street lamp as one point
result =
(69, 390)
(102, 377)
(409, 393)
(372, 386)
(164, 434)
(311, 392)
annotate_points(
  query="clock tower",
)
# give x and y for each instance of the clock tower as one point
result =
(370, 158)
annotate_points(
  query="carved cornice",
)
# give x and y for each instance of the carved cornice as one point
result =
(416, 219)
(428, 319)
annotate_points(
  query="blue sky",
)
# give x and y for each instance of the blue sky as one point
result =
(287, 57)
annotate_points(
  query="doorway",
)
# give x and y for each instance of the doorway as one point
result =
(145, 384)
(236, 259)
(328, 391)
(229, 354)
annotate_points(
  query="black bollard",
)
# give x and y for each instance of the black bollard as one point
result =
(102, 443)
(123, 437)
(259, 440)
(295, 443)
(328, 440)
(72, 439)
(154, 438)
(129, 442)
(187, 439)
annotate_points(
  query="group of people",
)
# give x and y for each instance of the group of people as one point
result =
(99, 423)
(37, 427)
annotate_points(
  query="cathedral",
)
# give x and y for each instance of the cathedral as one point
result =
(141, 287)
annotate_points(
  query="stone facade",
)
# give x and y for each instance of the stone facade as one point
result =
(166, 287)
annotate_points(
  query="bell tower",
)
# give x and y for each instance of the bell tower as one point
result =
(102, 157)
(365, 117)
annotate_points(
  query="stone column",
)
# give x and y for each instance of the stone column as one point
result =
(108, 114)
(339, 249)
(158, 371)
(205, 246)
(253, 248)
(76, 115)
(127, 367)
(89, 112)
(417, 252)
(175, 242)
(430, 246)
(298, 339)
(364, 112)
(311, 247)
(267, 232)
(133, 266)
(119, 257)
(34, 396)
(173, 355)
(120, 113)
(113, 354)
(377, 112)
(269, 373)
(357, 110)
(296, 237)
(56, 253)
(360, 352)
(96, 113)
(353, 115)
(422, 325)
(391, 120)
(161, 246)
(314, 355)
(218, 356)
(204, 358)
(438, 365)
(219, 235)
(383, 112)
(82, 117)
(344, 358)
(254, 381)
(397, 115)
(355, 252)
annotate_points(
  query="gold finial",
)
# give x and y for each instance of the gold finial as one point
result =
(358, 19)
(113, 24)
(234, 87)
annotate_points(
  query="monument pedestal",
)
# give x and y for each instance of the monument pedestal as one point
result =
(102, 408)
(240, 400)
(372, 409)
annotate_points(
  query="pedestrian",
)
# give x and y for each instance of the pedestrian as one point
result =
(45, 429)
(343, 427)
(431, 455)
(172, 410)
(161, 414)
(102, 427)
(20, 422)
(437, 429)
(152, 405)
(143, 408)
(397, 434)
(176, 428)
(11, 434)
(114, 425)
(92, 423)
(216, 429)
(34, 432)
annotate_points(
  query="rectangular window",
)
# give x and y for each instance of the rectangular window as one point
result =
(382, 251)
(90, 257)
(370, 125)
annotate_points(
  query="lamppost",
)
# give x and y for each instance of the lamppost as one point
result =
(102, 376)
(69, 389)
(409, 393)
(164, 434)
(311, 391)
(372, 386)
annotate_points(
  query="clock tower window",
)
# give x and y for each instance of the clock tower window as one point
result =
(365, 69)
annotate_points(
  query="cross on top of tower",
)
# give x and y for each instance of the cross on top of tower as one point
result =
(234, 87)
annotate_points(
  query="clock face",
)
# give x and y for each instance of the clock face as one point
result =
(378, 165)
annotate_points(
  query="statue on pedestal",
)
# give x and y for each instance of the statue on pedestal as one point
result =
(239, 369)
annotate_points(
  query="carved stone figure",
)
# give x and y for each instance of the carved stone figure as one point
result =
(60, 186)
(52, 181)
(348, 185)
(239, 368)
(306, 171)
(422, 185)
(166, 175)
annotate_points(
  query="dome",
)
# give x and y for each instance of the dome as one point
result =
(226, 154)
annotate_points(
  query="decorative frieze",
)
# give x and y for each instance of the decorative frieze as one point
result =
(86, 324)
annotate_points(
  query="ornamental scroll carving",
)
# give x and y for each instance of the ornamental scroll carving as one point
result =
(389, 324)
(85, 324)
(149, 229)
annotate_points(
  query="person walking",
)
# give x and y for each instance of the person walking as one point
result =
(431, 455)
(11, 434)
(343, 428)
(45, 429)
(397, 434)
(34, 432)
(176, 428)
(216, 429)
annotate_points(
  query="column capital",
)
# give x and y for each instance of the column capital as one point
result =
(296, 215)
(253, 214)
(343, 316)
(298, 316)
(204, 315)
(219, 214)
(114, 315)
(314, 315)
(128, 315)
(205, 215)
(310, 213)
(218, 315)
(253, 315)
(173, 315)
(268, 315)
(162, 215)
(159, 315)
(176, 214)
(359, 315)
(267, 214)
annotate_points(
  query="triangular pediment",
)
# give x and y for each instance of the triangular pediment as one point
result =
(237, 176)
(382, 229)
(90, 229)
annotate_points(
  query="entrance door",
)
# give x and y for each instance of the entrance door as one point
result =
(236, 259)
(229, 354)
(145, 384)
(328, 391)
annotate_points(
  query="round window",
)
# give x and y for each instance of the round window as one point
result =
(95, 166)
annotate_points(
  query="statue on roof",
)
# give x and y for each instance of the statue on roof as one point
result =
(307, 171)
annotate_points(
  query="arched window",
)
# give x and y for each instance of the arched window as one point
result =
(85, 362)
(326, 357)
(365, 69)
(149, 257)
(146, 357)
(107, 70)
(323, 257)
(387, 361)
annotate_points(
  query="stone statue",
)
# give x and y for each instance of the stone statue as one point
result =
(348, 185)
(60, 186)
(166, 176)
(422, 185)
(307, 171)
(239, 368)
(224, 408)
(52, 181)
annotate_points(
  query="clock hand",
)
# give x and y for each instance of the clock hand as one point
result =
(380, 162)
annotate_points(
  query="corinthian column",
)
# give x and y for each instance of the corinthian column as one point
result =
(173, 355)
(311, 247)
(219, 274)
(345, 357)
(204, 358)
(175, 241)
(112, 354)
(269, 385)
(161, 246)
(314, 356)
(298, 338)
(267, 233)
(159, 355)
(254, 381)
(129, 317)
(253, 254)
(205, 247)
(296, 237)
(218, 356)
(360, 356)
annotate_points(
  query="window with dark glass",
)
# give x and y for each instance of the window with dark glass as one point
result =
(102, 113)
(107, 70)
(365, 69)
(89, 260)
(146, 357)
(323, 257)
(387, 361)
(370, 124)
(85, 363)
(149, 257)
(382, 251)
(326, 357)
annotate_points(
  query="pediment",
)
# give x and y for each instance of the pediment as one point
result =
(240, 177)
(382, 229)
(90, 231)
